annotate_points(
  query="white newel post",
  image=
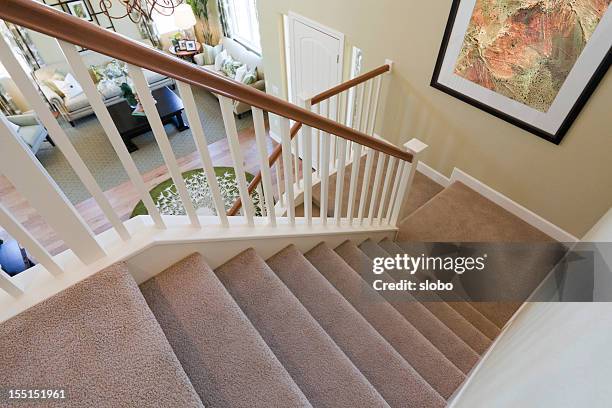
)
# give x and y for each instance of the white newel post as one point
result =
(416, 147)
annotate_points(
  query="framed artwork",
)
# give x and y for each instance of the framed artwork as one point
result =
(79, 9)
(182, 45)
(533, 63)
(190, 45)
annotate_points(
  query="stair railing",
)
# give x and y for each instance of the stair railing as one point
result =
(275, 157)
(19, 165)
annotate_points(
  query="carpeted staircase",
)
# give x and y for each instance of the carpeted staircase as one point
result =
(295, 330)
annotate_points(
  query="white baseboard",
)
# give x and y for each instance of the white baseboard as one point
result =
(433, 174)
(513, 207)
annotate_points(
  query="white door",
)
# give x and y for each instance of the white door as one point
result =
(315, 62)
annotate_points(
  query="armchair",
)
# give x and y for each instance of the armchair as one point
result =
(30, 130)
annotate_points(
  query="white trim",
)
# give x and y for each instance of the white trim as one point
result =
(513, 207)
(433, 174)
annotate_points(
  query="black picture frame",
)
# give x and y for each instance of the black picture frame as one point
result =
(182, 45)
(566, 124)
(190, 45)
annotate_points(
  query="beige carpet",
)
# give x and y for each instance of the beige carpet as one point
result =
(90, 141)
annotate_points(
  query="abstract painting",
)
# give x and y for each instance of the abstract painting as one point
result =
(533, 63)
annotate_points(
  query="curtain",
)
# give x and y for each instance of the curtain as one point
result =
(225, 17)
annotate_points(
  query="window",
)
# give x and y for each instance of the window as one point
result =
(241, 22)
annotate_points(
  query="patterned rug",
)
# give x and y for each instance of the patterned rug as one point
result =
(89, 139)
(167, 199)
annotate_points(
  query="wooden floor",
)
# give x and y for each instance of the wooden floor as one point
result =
(124, 197)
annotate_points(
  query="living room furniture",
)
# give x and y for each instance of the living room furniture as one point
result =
(240, 53)
(78, 106)
(30, 130)
(13, 258)
(169, 106)
(186, 55)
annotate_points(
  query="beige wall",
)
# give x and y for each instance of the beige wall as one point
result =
(570, 184)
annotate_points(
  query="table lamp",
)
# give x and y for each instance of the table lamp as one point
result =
(184, 18)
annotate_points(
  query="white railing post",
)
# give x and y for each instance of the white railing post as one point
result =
(416, 147)
(324, 169)
(260, 138)
(385, 192)
(150, 109)
(307, 163)
(197, 130)
(286, 151)
(375, 188)
(29, 177)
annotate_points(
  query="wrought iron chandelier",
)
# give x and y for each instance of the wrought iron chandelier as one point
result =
(136, 10)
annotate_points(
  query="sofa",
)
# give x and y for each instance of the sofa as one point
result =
(241, 54)
(76, 107)
(30, 130)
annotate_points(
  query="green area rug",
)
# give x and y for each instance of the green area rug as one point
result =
(167, 199)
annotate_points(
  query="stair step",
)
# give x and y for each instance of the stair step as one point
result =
(100, 341)
(428, 361)
(316, 364)
(464, 308)
(455, 349)
(432, 302)
(398, 383)
(226, 359)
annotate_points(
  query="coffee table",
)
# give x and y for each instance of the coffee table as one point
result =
(170, 109)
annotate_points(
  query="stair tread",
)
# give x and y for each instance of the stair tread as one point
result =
(395, 379)
(428, 361)
(455, 349)
(317, 365)
(99, 338)
(432, 302)
(480, 321)
(226, 359)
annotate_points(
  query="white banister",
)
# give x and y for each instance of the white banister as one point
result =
(385, 191)
(17, 231)
(95, 99)
(365, 185)
(58, 135)
(307, 141)
(324, 166)
(29, 177)
(150, 109)
(286, 151)
(416, 147)
(375, 188)
(260, 138)
(197, 130)
(227, 112)
(7, 285)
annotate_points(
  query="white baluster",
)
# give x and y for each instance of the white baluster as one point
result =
(374, 109)
(286, 144)
(324, 165)
(95, 99)
(278, 181)
(366, 183)
(150, 109)
(17, 231)
(295, 143)
(7, 285)
(260, 137)
(58, 135)
(340, 179)
(353, 184)
(237, 157)
(307, 166)
(398, 176)
(197, 130)
(316, 134)
(24, 171)
(385, 192)
(379, 169)
(364, 105)
(416, 147)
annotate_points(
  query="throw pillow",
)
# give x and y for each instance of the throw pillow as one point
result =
(250, 77)
(219, 58)
(210, 53)
(69, 86)
(230, 66)
(241, 72)
(13, 126)
(52, 86)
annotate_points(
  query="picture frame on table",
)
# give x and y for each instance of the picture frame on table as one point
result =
(190, 45)
(533, 68)
(182, 45)
(79, 9)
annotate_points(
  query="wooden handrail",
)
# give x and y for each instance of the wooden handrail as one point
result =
(296, 127)
(47, 20)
